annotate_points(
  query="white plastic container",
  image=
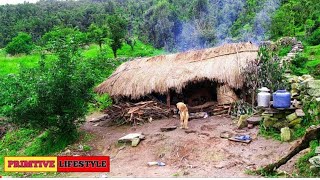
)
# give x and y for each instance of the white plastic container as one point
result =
(264, 97)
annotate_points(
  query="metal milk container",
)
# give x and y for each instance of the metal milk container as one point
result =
(264, 97)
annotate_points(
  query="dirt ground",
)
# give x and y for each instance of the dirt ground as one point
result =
(200, 154)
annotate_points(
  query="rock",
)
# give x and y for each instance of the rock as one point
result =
(100, 118)
(67, 152)
(318, 99)
(280, 115)
(168, 128)
(242, 122)
(306, 76)
(297, 126)
(190, 131)
(130, 137)
(285, 134)
(185, 173)
(254, 120)
(314, 84)
(269, 122)
(292, 117)
(281, 124)
(296, 103)
(250, 126)
(204, 133)
(315, 161)
(295, 122)
(300, 113)
(104, 176)
(135, 142)
(314, 92)
(226, 134)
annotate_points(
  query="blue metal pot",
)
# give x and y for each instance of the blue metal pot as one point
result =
(281, 99)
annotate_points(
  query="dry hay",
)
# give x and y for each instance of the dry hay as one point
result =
(159, 74)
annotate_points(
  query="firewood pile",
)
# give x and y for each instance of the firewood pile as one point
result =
(132, 113)
(212, 108)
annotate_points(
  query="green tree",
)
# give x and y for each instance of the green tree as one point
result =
(59, 34)
(52, 96)
(22, 43)
(97, 34)
(118, 31)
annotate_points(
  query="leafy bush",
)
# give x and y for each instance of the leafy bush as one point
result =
(314, 39)
(52, 96)
(58, 34)
(22, 43)
(303, 162)
(298, 64)
(315, 72)
(284, 51)
(266, 71)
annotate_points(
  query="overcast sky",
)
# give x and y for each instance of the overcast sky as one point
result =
(2, 2)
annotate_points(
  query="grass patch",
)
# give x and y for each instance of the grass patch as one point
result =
(270, 133)
(29, 142)
(311, 54)
(12, 64)
(303, 164)
(296, 133)
(284, 51)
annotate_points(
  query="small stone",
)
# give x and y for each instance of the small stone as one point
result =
(185, 173)
(318, 99)
(315, 84)
(130, 137)
(168, 128)
(242, 122)
(298, 126)
(250, 126)
(285, 134)
(80, 147)
(190, 131)
(135, 142)
(315, 161)
(317, 150)
(280, 124)
(254, 120)
(226, 134)
(67, 152)
(295, 122)
(269, 122)
(292, 117)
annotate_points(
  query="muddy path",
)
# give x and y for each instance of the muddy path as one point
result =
(199, 154)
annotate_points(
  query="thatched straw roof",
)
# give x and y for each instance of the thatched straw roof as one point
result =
(143, 76)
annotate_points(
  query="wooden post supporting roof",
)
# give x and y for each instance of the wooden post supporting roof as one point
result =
(168, 98)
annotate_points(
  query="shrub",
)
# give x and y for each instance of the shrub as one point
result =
(22, 43)
(266, 71)
(58, 34)
(52, 96)
(298, 64)
(314, 38)
(284, 51)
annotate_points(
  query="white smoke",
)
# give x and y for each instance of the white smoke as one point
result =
(222, 15)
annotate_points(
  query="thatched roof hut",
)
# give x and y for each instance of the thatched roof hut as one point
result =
(137, 78)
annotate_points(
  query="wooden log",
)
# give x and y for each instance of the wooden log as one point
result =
(168, 99)
(203, 106)
(312, 133)
(168, 128)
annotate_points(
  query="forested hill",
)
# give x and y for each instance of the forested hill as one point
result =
(171, 24)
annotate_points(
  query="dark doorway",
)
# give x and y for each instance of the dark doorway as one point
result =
(196, 93)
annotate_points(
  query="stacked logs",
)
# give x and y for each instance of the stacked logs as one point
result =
(132, 113)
